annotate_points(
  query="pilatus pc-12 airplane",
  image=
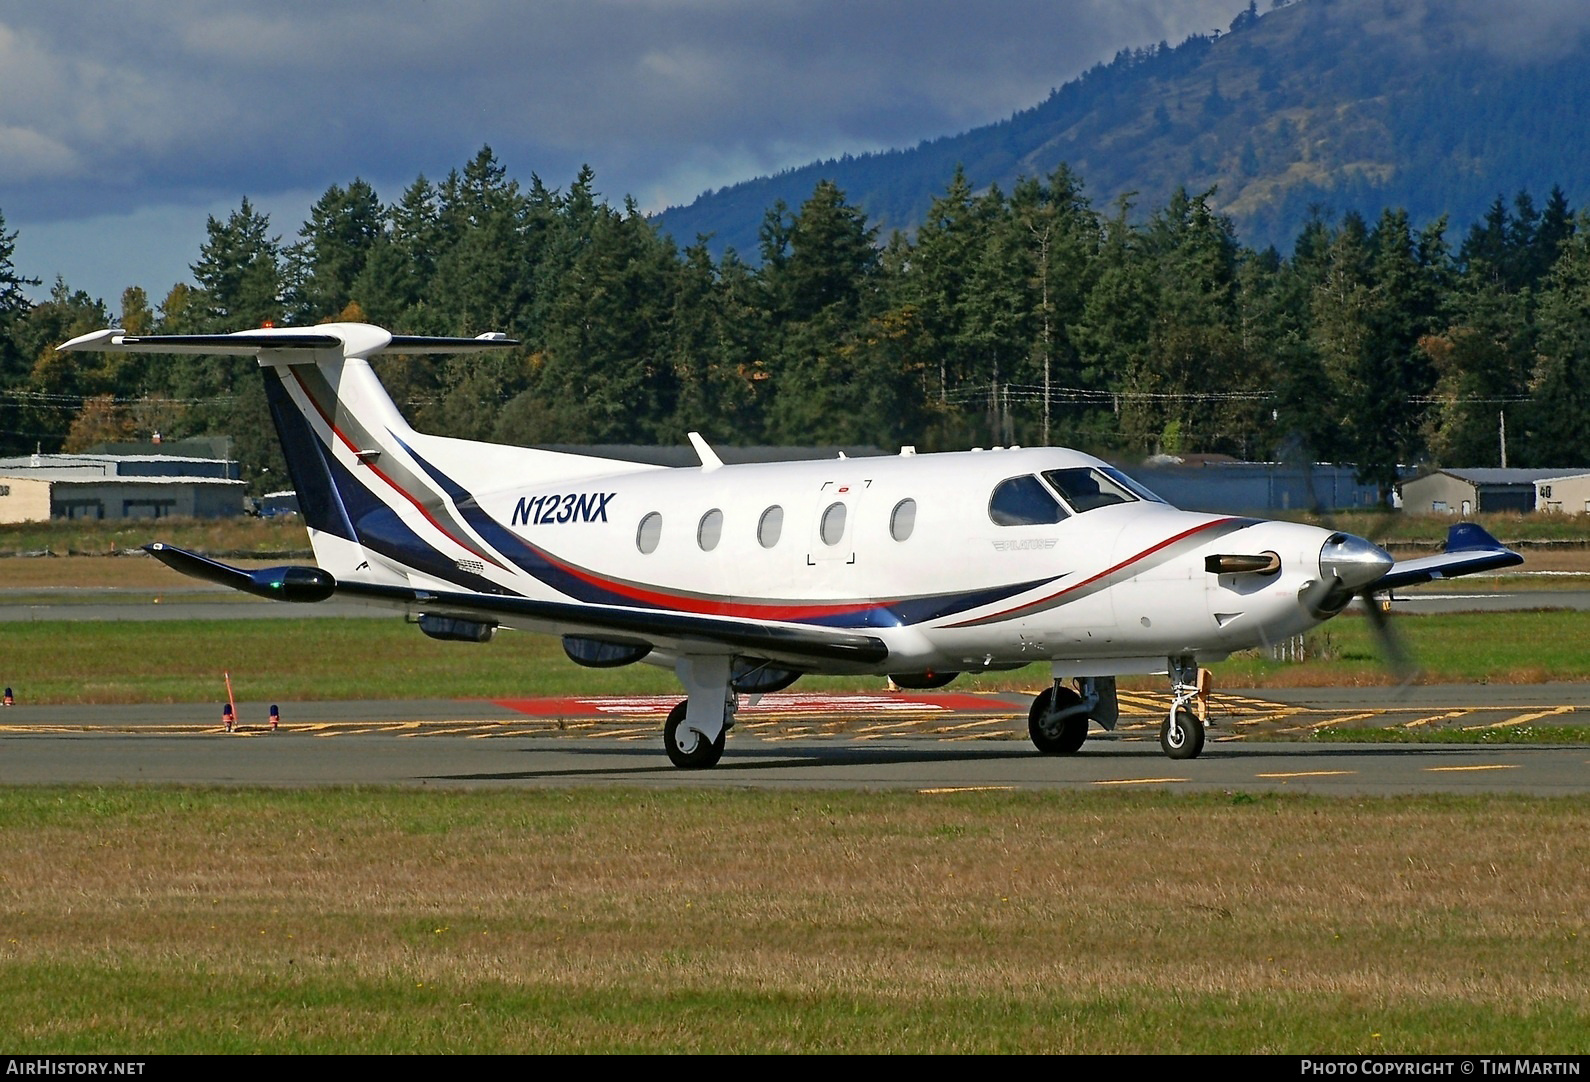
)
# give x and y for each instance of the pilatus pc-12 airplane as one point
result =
(742, 578)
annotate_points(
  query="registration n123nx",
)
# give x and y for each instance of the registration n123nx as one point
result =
(743, 578)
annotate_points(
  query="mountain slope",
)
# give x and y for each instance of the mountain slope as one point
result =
(1436, 107)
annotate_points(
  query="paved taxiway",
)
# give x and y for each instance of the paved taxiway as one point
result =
(945, 741)
(928, 742)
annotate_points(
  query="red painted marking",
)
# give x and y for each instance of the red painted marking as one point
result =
(1095, 578)
(782, 703)
(707, 606)
(393, 485)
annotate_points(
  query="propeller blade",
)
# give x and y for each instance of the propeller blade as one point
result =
(1393, 650)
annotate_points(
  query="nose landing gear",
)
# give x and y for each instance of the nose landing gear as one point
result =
(1181, 736)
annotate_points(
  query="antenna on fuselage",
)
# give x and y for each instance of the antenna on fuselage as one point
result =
(709, 457)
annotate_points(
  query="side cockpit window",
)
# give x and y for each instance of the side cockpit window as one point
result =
(1085, 488)
(1023, 501)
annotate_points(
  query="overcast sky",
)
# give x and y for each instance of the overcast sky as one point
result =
(124, 124)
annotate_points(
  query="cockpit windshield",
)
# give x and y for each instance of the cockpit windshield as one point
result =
(1085, 488)
(1131, 484)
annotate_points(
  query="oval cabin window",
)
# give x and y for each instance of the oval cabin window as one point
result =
(710, 530)
(770, 526)
(650, 533)
(903, 520)
(833, 524)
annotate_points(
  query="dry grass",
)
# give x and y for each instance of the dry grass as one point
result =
(215, 536)
(701, 921)
(129, 571)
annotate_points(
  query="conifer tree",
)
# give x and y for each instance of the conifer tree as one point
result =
(344, 225)
(14, 361)
(1559, 410)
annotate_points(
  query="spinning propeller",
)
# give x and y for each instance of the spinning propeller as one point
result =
(1361, 570)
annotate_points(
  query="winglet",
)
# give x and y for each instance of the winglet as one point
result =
(1469, 536)
(1469, 550)
(709, 457)
(90, 340)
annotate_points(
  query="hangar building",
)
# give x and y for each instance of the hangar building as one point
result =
(111, 487)
(1469, 491)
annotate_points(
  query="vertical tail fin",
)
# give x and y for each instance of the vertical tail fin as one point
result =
(368, 484)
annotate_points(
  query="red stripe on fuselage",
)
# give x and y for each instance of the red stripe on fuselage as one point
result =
(353, 449)
(703, 606)
(1106, 573)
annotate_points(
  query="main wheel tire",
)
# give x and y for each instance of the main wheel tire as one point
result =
(1188, 740)
(1051, 739)
(702, 754)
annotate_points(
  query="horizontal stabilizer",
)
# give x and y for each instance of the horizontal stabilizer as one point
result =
(275, 583)
(1469, 550)
(348, 339)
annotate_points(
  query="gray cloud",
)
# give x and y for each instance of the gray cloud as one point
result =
(116, 115)
(111, 106)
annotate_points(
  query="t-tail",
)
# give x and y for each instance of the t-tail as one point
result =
(384, 504)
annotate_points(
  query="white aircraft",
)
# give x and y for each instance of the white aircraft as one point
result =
(744, 577)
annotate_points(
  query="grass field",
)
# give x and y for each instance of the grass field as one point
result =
(326, 658)
(149, 921)
(154, 920)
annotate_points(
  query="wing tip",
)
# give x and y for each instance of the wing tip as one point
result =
(87, 341)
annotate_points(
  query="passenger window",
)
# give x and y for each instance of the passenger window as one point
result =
(903, 520)
(833, 524)
(1023, 501)
(650, 533)
(710, 530)
(1085, 488)
(770, 526)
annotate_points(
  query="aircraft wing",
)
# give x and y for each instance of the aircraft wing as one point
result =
(1469, 549)
(790, 644)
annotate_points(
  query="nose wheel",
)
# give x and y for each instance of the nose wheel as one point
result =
(1181, 735)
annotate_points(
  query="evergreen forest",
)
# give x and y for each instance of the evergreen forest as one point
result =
(1020, 316)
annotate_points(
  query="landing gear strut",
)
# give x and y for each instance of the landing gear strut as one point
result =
(1058, 720)
(1181, 736)
(694, 733)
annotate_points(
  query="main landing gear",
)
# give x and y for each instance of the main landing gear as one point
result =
(695, 730)
(688, 749)
(1058, 720)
